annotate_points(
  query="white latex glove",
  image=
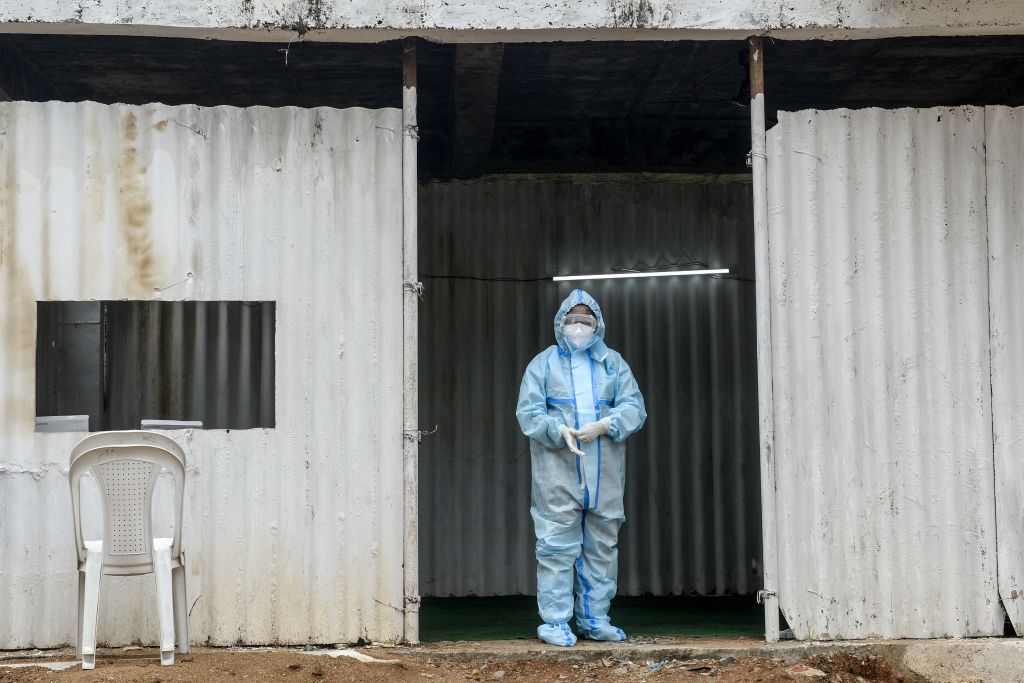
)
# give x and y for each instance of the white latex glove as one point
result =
(570, 439)
(592, 430)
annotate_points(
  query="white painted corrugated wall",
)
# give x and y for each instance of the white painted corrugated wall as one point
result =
(294, 534)
(880, 332)
(1004, 130)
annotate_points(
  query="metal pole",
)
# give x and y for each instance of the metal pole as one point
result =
(759, 167)
(410, 314)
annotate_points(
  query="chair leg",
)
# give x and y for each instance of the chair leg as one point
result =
(90, 607)
(81, 614)
(180, 609)
(164, 603)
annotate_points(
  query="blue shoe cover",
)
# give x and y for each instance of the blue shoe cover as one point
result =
(602, 632)
(556, 634)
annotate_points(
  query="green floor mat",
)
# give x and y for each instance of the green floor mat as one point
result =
(506, 618)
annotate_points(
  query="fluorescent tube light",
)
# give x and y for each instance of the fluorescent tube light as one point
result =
(658, 273)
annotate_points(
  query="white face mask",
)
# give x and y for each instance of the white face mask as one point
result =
(579, 335)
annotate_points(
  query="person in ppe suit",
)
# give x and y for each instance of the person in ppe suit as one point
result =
(578, 403)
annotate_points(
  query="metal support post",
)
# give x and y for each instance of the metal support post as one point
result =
(410, 315)
(759, 167)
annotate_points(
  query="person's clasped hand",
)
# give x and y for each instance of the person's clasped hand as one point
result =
(570, 437)
(592, 430)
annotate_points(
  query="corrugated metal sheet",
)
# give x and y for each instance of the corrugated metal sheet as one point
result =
(883, 422)
(294, 534)
(1004, 143)
(692, 499)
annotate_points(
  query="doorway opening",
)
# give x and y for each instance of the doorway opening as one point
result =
(559, 159)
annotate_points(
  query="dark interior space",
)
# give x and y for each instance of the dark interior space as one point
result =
(488, 249)
(641, 106)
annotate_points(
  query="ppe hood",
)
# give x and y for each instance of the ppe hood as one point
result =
(578, 296)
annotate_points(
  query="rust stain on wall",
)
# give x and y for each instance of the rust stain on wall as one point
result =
(18, 311)
(135, 209)
(94, 185)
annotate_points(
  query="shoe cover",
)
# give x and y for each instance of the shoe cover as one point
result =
(603, 632)
(556, 634)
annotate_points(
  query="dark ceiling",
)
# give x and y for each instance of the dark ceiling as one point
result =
(532, 107)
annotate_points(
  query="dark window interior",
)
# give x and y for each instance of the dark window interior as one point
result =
(121, 362)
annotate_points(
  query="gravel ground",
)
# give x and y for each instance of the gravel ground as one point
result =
(212, 664)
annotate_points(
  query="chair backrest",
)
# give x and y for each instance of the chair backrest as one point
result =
(126, 465)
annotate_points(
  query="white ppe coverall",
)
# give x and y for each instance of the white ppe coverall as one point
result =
(576, 502)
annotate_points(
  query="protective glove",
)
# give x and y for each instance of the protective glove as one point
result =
(570, 438)
(592, 430)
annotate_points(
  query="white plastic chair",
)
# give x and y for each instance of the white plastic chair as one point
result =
(126, 466)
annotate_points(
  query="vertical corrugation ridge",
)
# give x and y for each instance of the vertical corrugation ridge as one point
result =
(294, 534)
(692, 503)
(881, 374)
(1004, 142)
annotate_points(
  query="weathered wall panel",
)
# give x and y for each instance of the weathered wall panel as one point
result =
(1004, 143)
(692, 497)
(293, 534)
(879, 285)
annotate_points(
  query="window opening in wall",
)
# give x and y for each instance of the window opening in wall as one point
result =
(103, 365)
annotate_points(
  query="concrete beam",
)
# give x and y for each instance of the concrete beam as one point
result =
(477, 73)
(485, 21)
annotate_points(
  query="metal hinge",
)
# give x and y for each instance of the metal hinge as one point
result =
(762, 595)
(750, 159)
(417, 435)
(416, 287)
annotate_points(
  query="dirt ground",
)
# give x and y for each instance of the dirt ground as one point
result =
(294, 665)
